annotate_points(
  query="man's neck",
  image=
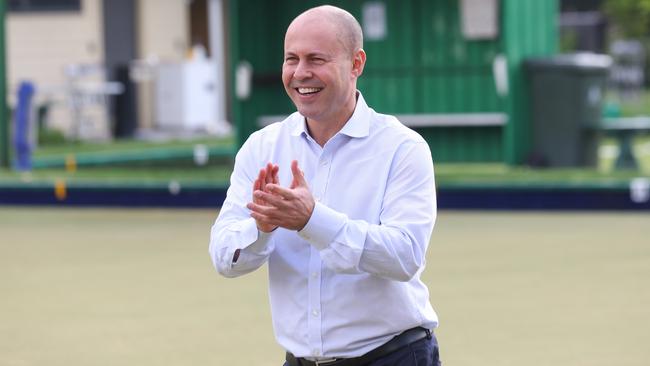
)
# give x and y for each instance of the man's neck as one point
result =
(323, 131)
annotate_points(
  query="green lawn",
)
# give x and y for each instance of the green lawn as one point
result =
(217, 172)
(136, 287)
(125, 145)
(208, 175)
(639, 106)
(182, 168)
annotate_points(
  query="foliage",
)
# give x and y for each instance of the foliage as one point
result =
(568, 40)
(632, 17)
(51, 137)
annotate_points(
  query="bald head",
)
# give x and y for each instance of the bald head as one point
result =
(347, 27)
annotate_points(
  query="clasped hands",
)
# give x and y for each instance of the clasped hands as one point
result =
(275, 206)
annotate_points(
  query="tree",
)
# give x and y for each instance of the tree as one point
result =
(632, 17)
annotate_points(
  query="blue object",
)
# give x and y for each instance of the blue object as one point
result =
(22, 115)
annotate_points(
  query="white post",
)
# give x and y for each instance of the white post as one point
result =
(217, 30)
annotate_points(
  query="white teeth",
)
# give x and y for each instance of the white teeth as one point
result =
(308, 90)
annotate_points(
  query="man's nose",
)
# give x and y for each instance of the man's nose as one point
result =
(302, 71)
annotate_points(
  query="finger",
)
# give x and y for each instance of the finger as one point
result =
(261, 209)
(268, 174)
(265, 215)
(257, 186)
(274, 174)
(265, 220)
(259, 217)
(298, 175)
(260, 181)
(281, 191)
(270, 199)
(262, 175)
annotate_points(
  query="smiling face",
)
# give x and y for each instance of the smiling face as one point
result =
(319, 72)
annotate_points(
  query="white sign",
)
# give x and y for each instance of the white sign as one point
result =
(374, 20)
(479, 19)
(640, 190)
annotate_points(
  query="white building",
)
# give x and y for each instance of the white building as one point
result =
(48, 44)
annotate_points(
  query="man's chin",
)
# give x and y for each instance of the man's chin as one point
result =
(307, 112)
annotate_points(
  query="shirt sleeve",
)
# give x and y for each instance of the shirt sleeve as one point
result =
(234, 231)
(395, 248)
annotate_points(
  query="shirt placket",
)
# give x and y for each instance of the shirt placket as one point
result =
(315, 323)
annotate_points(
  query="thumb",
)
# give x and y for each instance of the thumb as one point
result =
(298, 176)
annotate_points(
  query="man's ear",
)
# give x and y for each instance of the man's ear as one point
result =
(358, 63)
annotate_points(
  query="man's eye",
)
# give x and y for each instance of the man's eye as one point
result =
(290, 59)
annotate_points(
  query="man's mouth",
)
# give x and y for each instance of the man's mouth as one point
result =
(308, 91)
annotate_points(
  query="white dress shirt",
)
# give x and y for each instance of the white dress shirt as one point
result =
(350, 279)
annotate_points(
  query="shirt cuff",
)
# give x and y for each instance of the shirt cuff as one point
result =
(322, 227)
(254, 241)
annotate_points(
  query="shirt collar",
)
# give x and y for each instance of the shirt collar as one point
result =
(299, 124)
(357, 126)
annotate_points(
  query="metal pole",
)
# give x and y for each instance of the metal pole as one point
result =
(4, 115)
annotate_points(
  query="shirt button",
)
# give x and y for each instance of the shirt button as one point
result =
(315, 312)
(314, 275)
(315, 352)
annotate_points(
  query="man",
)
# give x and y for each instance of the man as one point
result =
(340, 201)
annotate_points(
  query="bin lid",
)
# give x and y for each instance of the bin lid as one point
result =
(582, 61)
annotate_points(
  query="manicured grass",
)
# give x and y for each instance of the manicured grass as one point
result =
(136, 287)
(217, 171)
(218, 175)
(499, 174)
(638, 106)
(208, 175)
(126, 145)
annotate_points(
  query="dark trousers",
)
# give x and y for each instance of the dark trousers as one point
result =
(424, 352)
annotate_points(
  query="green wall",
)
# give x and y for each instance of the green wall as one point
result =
(423, 66)
(529, 29)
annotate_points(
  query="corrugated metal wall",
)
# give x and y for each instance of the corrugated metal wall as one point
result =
(529, 29)
(425, 66)
(422, 66)
(256, 37)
